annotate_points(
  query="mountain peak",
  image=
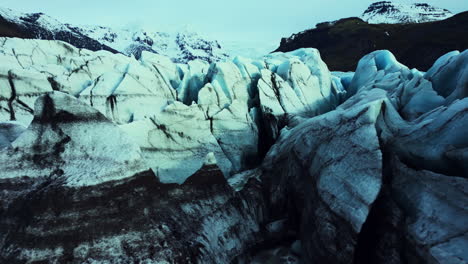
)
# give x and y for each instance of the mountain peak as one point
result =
(388, 12)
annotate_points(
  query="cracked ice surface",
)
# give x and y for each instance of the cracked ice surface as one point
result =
(140, 95)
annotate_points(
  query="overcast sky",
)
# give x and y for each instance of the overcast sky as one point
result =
(254, 20)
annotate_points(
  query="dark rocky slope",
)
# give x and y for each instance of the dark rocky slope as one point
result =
(344, 42)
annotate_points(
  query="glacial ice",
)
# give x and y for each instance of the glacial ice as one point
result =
(9, 132)
(132, 93)
(267, 94)
(436, 205)
(57, 146)
(435, 141)
(163, 65)
(175, 142)
(192, 81)
(374, 68)
(390, 110)
(237, 134)
(334, 163)
(449, 76)
(319, 144)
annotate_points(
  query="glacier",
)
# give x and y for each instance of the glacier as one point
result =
(146, 95)
(113, 158)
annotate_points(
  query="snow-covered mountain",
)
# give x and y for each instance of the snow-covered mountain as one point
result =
(181, 47)
(343, 42)
(41, 26)
(387, 12)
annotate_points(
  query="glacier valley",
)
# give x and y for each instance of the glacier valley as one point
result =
(107, 158)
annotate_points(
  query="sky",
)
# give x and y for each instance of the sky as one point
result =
(236, 20)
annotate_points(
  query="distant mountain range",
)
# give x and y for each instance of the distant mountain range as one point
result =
(181, 46)
(404, 29)
(386, 26)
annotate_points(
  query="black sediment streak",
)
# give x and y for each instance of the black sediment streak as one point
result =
(53, 83)
(12, 97)
(48, 111)
(163, 128)
(211, 124)
(25, 106)
(49, 153)
(274, 86)
(112, 101)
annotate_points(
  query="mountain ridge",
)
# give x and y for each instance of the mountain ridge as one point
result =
(416, 45)
(22, 25)
(181, 47)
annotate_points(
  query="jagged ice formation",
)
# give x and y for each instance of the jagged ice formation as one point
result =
(110, 158)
